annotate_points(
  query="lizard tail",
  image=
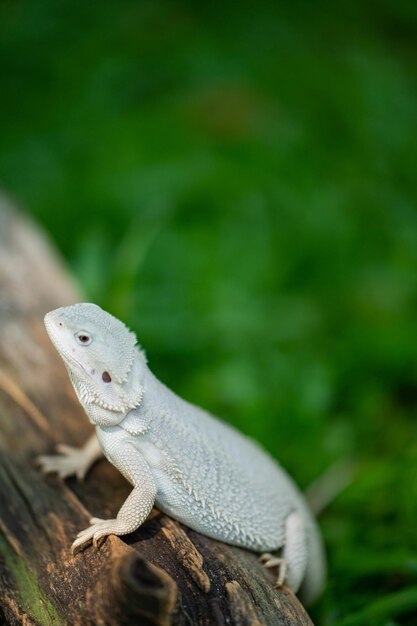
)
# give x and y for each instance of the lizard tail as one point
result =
(328, 486)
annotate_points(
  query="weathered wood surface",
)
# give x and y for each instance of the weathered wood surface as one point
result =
(162, 574)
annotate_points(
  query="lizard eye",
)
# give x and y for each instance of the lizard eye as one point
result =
(83, 338)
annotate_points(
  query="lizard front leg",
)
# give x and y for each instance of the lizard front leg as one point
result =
(71, 460)
(136, 507)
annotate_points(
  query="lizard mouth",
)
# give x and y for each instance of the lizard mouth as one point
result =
(54, 327)
(78, 364)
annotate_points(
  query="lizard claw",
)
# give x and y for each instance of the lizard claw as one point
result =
(269, 561)
(98, 540)
(98, 530)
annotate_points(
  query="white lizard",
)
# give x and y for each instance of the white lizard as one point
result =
(193, 467)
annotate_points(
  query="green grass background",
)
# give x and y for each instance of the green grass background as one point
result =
(237, 181)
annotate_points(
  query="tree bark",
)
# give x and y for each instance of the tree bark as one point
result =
(163, 574)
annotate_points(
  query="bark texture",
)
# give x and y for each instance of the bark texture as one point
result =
(164, 574)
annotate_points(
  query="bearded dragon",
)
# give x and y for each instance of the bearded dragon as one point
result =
(197, 469)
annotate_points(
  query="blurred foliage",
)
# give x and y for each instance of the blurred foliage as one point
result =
(238, 183)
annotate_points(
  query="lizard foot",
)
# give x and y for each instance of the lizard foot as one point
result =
(99, 529)
(71, 461)
(269, 561)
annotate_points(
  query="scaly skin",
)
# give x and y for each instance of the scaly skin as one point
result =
(197, 469)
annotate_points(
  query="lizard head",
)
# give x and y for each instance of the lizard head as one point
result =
(99, 352)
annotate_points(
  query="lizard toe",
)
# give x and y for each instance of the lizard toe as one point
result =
(100, 536)
(87, 535)
(79, 544)
(269, 561)
(282, 573)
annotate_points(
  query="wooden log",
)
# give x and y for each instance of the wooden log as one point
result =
(163, 574)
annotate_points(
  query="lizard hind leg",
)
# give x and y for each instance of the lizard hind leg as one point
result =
(291, 565)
